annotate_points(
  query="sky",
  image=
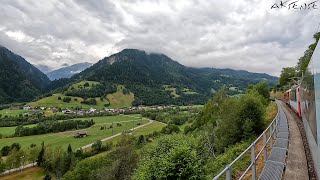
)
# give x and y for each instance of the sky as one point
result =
(237, 34)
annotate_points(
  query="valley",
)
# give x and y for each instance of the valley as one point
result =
(122, 107)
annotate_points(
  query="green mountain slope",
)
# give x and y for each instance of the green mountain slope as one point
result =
(146, 75)
(19, 80)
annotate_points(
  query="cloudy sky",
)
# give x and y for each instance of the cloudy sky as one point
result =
(238, 34)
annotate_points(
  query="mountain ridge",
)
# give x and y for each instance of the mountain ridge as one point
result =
(67, 72)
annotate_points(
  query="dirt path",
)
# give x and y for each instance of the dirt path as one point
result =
(108, 138)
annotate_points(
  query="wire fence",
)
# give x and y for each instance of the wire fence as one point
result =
(259, 151)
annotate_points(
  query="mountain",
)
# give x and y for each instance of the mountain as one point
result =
(67, 72)
(157, 79)
(43, 68)
(19, 80)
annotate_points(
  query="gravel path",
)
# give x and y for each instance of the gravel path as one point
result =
(296, 163)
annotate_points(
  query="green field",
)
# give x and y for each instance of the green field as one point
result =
(7, 131)
(80, 85)
(53, 101)
(120, 100)
(117, 100)
(154, 126)
(9, 112)
(64, 138)
(188, 91)
(172, 90)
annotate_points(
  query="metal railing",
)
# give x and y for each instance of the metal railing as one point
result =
(272, 136)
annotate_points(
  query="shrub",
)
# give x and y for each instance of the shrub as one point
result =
(66, 99)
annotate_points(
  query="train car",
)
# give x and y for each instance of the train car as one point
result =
(286, 97)
(292, 97)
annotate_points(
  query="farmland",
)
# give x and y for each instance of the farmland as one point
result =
(64, 138)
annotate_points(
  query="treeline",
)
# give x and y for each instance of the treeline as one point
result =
(52, 127)
(96, 90)
(288, 73)
(156, 95)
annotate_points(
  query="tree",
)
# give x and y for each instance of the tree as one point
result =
(68, 160)
(286, 74)
(16, 146)
(15, 158)
(33, 154)
(97, 146)
(2, 165)
(239, 119)
(5, 150)
(172, 157)
(66, 99)
(40, 159)
(86, 84)
(69, 149)
(262, 88)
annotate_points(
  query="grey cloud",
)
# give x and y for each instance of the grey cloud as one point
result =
(244, 34)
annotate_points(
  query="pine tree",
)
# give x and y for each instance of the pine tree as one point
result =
(41, 160)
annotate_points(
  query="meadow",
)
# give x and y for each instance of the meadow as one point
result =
(64, 138)
(10, 112)
(116, 100)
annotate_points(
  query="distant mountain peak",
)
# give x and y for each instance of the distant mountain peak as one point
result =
(67, 72)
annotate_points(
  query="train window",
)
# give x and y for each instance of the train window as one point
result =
(293, 96)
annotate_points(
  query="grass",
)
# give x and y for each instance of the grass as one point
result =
(9, 112)
(53, 101)
(7, 131)
(188, 91)
(120, 100)
(155, 126)
(34, 173)
(80, 85)
(173, 91)
(117, 100)
(64, 138)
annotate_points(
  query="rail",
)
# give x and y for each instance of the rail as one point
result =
(271, 129)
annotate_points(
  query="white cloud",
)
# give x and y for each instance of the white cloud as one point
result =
(19, 36)
(239, 34)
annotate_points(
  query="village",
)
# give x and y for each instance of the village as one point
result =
(91, 110)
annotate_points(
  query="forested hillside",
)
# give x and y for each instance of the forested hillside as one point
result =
(19, 80)
(157, 79)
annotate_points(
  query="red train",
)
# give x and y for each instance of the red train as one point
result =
(292, 97)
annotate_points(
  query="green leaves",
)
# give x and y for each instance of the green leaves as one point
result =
(173, 157)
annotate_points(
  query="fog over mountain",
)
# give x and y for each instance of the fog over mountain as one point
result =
(242, 34)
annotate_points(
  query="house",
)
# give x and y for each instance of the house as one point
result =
(92, 110)
(80, 135)
(233, 88)
(26, 108)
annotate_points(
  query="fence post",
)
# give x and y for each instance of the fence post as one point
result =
(275, 131)
(229, 173)
(265, 146)
(271, 140)
(253, 161)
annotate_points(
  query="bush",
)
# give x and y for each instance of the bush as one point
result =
(66, 99)
(59, 98)
(86, 84)
(172, 157)
(90, 102)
